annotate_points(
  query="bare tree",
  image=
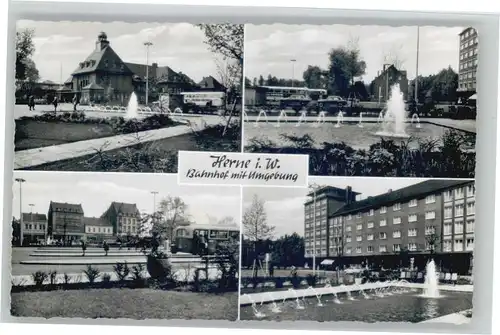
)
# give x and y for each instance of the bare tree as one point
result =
(393, 56)
(173, 211)
(255, 226)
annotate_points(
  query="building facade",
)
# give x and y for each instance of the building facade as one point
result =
(435, 217)
(97, 230)
(380, 87)
(65, 222)
(468, 60)
(33, 229)
(124, 218)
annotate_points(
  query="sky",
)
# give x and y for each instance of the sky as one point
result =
(96, 191)
(65, 44)
(285, 206)
(270, 48)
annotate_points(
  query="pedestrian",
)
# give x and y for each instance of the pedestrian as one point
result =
(84, 247)
(196, 244)
(54, 102)
(75, 102)
(105, 245)
(271, 269)
(31, 102)
(203, 249)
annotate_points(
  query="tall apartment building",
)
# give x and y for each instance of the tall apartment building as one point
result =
(468, 60)
(432, 216)
(65, 222)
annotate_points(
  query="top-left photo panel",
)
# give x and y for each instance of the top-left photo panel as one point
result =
(125, 97)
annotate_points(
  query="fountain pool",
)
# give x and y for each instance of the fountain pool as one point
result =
(398, 307)
(350, 133)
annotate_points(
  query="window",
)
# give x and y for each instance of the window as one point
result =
(412, 218)
(459, 193)
(471, 208)
(396, 247)
(359, 226)
(430, 215)
(430, 199)
(359, 238)
(358, 250)
(382, 236)
(348, 250)
(470, 226)
(412, 232)
(382, 248)
(369, 248)
(447, 246)
(396, 234)
(349, 217)
(459, 210)
(458, 245)
(447, 228)
(383, 209)
(383, 223)
(459, 227)
(348, 228)
(348, 239)
(448, 196)
(370, 224)
(369, 237)
(396, 207)
(430, 230)
(448, 212)
(412, 246)
(413, 203)
(470, 244)
(371, 212)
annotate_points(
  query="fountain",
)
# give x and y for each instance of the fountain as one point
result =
(318, 296)
(297, 300)
(282, 115)
(415, 117)
(380, 118)
(274, 307)
(321, 118)
(340, 119)
(245, 116)
(254, 307)
(394, 122)
(178, 110)
(132, 107)
(302, 118)
(360, 123)
(431, 289)
(262, 112)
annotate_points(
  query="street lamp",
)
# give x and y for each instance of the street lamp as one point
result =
(21, 181)
(293, 69)
(314, 188)
(416, 75)
(31, 219)
(147, 44)
(154, 193)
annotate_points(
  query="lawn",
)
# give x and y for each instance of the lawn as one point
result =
(125, 303)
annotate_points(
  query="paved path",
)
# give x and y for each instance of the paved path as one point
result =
(264, 297)
(102, 260)
(39, 156)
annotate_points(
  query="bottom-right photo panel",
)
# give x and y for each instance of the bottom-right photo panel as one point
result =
(359, 249)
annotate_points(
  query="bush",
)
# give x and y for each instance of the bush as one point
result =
(122, 270)
(53, 277)
(311, 279)
(39, 278)
(278, 282)
(92, 274)
(296, 281)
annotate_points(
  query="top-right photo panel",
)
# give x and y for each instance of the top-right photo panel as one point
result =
(364, 100)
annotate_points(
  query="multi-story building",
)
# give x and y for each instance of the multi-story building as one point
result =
(123, 217)
(468, 60)
(33, 229)
(432, 217)
(380, 87)
(97, 229)
(324, 202)
(65, 222)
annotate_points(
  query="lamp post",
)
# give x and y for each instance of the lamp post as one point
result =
(21, 181)
(31, 219)
(416, 75)
(147, 44)
(293, 70)
(314, 188)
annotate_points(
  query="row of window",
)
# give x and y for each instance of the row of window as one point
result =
(468, 33)
(459, 210)
(29, 226)
(102, 230)
(468, 64)
(458, 245)
(468, 54)
(412, 232)
(468, 75)
(470, 84)
(459, 227)
(469, 43)
(429, 215)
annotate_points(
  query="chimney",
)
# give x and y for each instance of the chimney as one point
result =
(389, 190)
(348, 195)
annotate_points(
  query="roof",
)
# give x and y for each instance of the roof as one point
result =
(69, 80)
(96, 62)
(331, 191)
(162, 73)
(95, 222)
(124, 208)
(211, 226)
(415, 191)
(93, 86)
(465, 30)
(65, 207)
(211, 83)
(32, 217)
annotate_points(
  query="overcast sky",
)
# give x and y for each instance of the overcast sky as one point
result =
(96, 191)
(65, 44)
(285, 206)
(269, 48)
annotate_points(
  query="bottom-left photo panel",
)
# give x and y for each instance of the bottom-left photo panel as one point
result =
(136, 246)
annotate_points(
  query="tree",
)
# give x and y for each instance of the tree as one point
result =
(393, 57)
(255, 226)
(26, 71)
(262, 82)
(314, 77)
(433, 240)
(288, 250)
(228, 74)
(248, 82)
(437, 87)
(173, 211)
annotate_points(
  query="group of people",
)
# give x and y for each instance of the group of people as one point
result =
(200, 244)
(55, 102)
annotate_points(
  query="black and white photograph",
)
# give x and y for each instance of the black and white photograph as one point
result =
(125, 97)
(120, 245)
(364, 100)
(359, 249)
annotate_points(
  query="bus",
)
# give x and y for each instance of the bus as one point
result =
(203, 102)
(273, 95)
(182, 240)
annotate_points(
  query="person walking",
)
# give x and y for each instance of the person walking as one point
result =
(105, 245)
(31, 103)
(55, 101)
(271, 269)
(75, 102)
(196, 243)
(84, 247)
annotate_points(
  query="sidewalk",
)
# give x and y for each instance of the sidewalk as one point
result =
(39, 156)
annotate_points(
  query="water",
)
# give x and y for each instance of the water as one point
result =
(261, 113)
(340, 119)
(282, 116)
(394, 123)
(132, 107)
(303, 115)
(431, 289)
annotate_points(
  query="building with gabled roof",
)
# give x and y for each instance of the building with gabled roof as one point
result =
(123, 217)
